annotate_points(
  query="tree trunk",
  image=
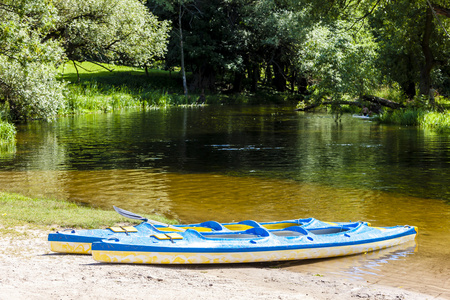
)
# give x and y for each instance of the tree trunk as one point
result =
(268, 75)
(302, 85)
(237, 83)
(382, 101)
(254, 71)
(425, 75)
(279, 80)
(409, 88)
(183, 71)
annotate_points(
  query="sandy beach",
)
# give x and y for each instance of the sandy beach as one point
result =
(29, 270)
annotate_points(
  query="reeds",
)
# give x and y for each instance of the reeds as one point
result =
(7, 137)
(90, 97)
(405, 117)
(436, 120)
(126, 87)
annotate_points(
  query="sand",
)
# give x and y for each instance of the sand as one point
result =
(29, 270)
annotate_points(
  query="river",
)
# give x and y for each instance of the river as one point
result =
(254, 162)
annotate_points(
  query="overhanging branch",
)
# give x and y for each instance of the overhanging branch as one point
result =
(378, 101)
(314, 105)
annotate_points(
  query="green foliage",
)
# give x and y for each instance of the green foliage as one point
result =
(437, 121)
(413, 116)
(37, 35)
(27, 77)
(339, 64)
(406, 117)
(7, 137)
(89, 97)
(227, 41)
(122, 32)
(392, 92)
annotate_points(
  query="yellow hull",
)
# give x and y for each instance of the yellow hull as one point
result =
(70, 247)
(241, 257)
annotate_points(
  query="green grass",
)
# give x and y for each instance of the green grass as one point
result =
(404, 117)
(99, 90)
(18, 210)
(439, 122)
(7, 137)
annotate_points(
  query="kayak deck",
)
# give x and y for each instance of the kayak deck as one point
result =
(253, 245)
(79, 241)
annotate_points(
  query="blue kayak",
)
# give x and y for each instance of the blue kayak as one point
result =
(256, 244)
(80, 241)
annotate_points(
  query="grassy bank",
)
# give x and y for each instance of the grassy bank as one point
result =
(418, 112)
(92, 88)
(7, 137)
(18, 210)
(437, 121)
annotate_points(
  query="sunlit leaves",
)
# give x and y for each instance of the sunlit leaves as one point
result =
(37, 35)
(338, 62)
(110, 31)
(27, 72)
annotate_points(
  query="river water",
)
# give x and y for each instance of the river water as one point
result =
(254, 162)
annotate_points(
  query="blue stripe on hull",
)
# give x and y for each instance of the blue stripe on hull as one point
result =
(155, 257)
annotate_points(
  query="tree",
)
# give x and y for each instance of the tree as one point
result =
(230, 41)
(411, 55)
(181, 7)
(28, 88)
(339, 63)
(37, 35)
(109, 31)
(413, 41)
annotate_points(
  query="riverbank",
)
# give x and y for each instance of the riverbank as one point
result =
(29, 270)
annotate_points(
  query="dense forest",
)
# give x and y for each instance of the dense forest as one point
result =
(334, 52)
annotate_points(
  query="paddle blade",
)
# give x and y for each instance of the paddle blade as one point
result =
(129, 214)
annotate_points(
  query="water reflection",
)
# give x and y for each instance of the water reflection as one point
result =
(356, 267)
(235, 163)
(264, 141)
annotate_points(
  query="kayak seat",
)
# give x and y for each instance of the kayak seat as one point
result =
(287, 233)
(231, 236)
(167, 236)
(291, 231)
(123, 229)
(330, 230)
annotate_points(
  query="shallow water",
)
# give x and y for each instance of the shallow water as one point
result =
(260, 163)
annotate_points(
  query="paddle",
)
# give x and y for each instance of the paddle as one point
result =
(130, 215)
